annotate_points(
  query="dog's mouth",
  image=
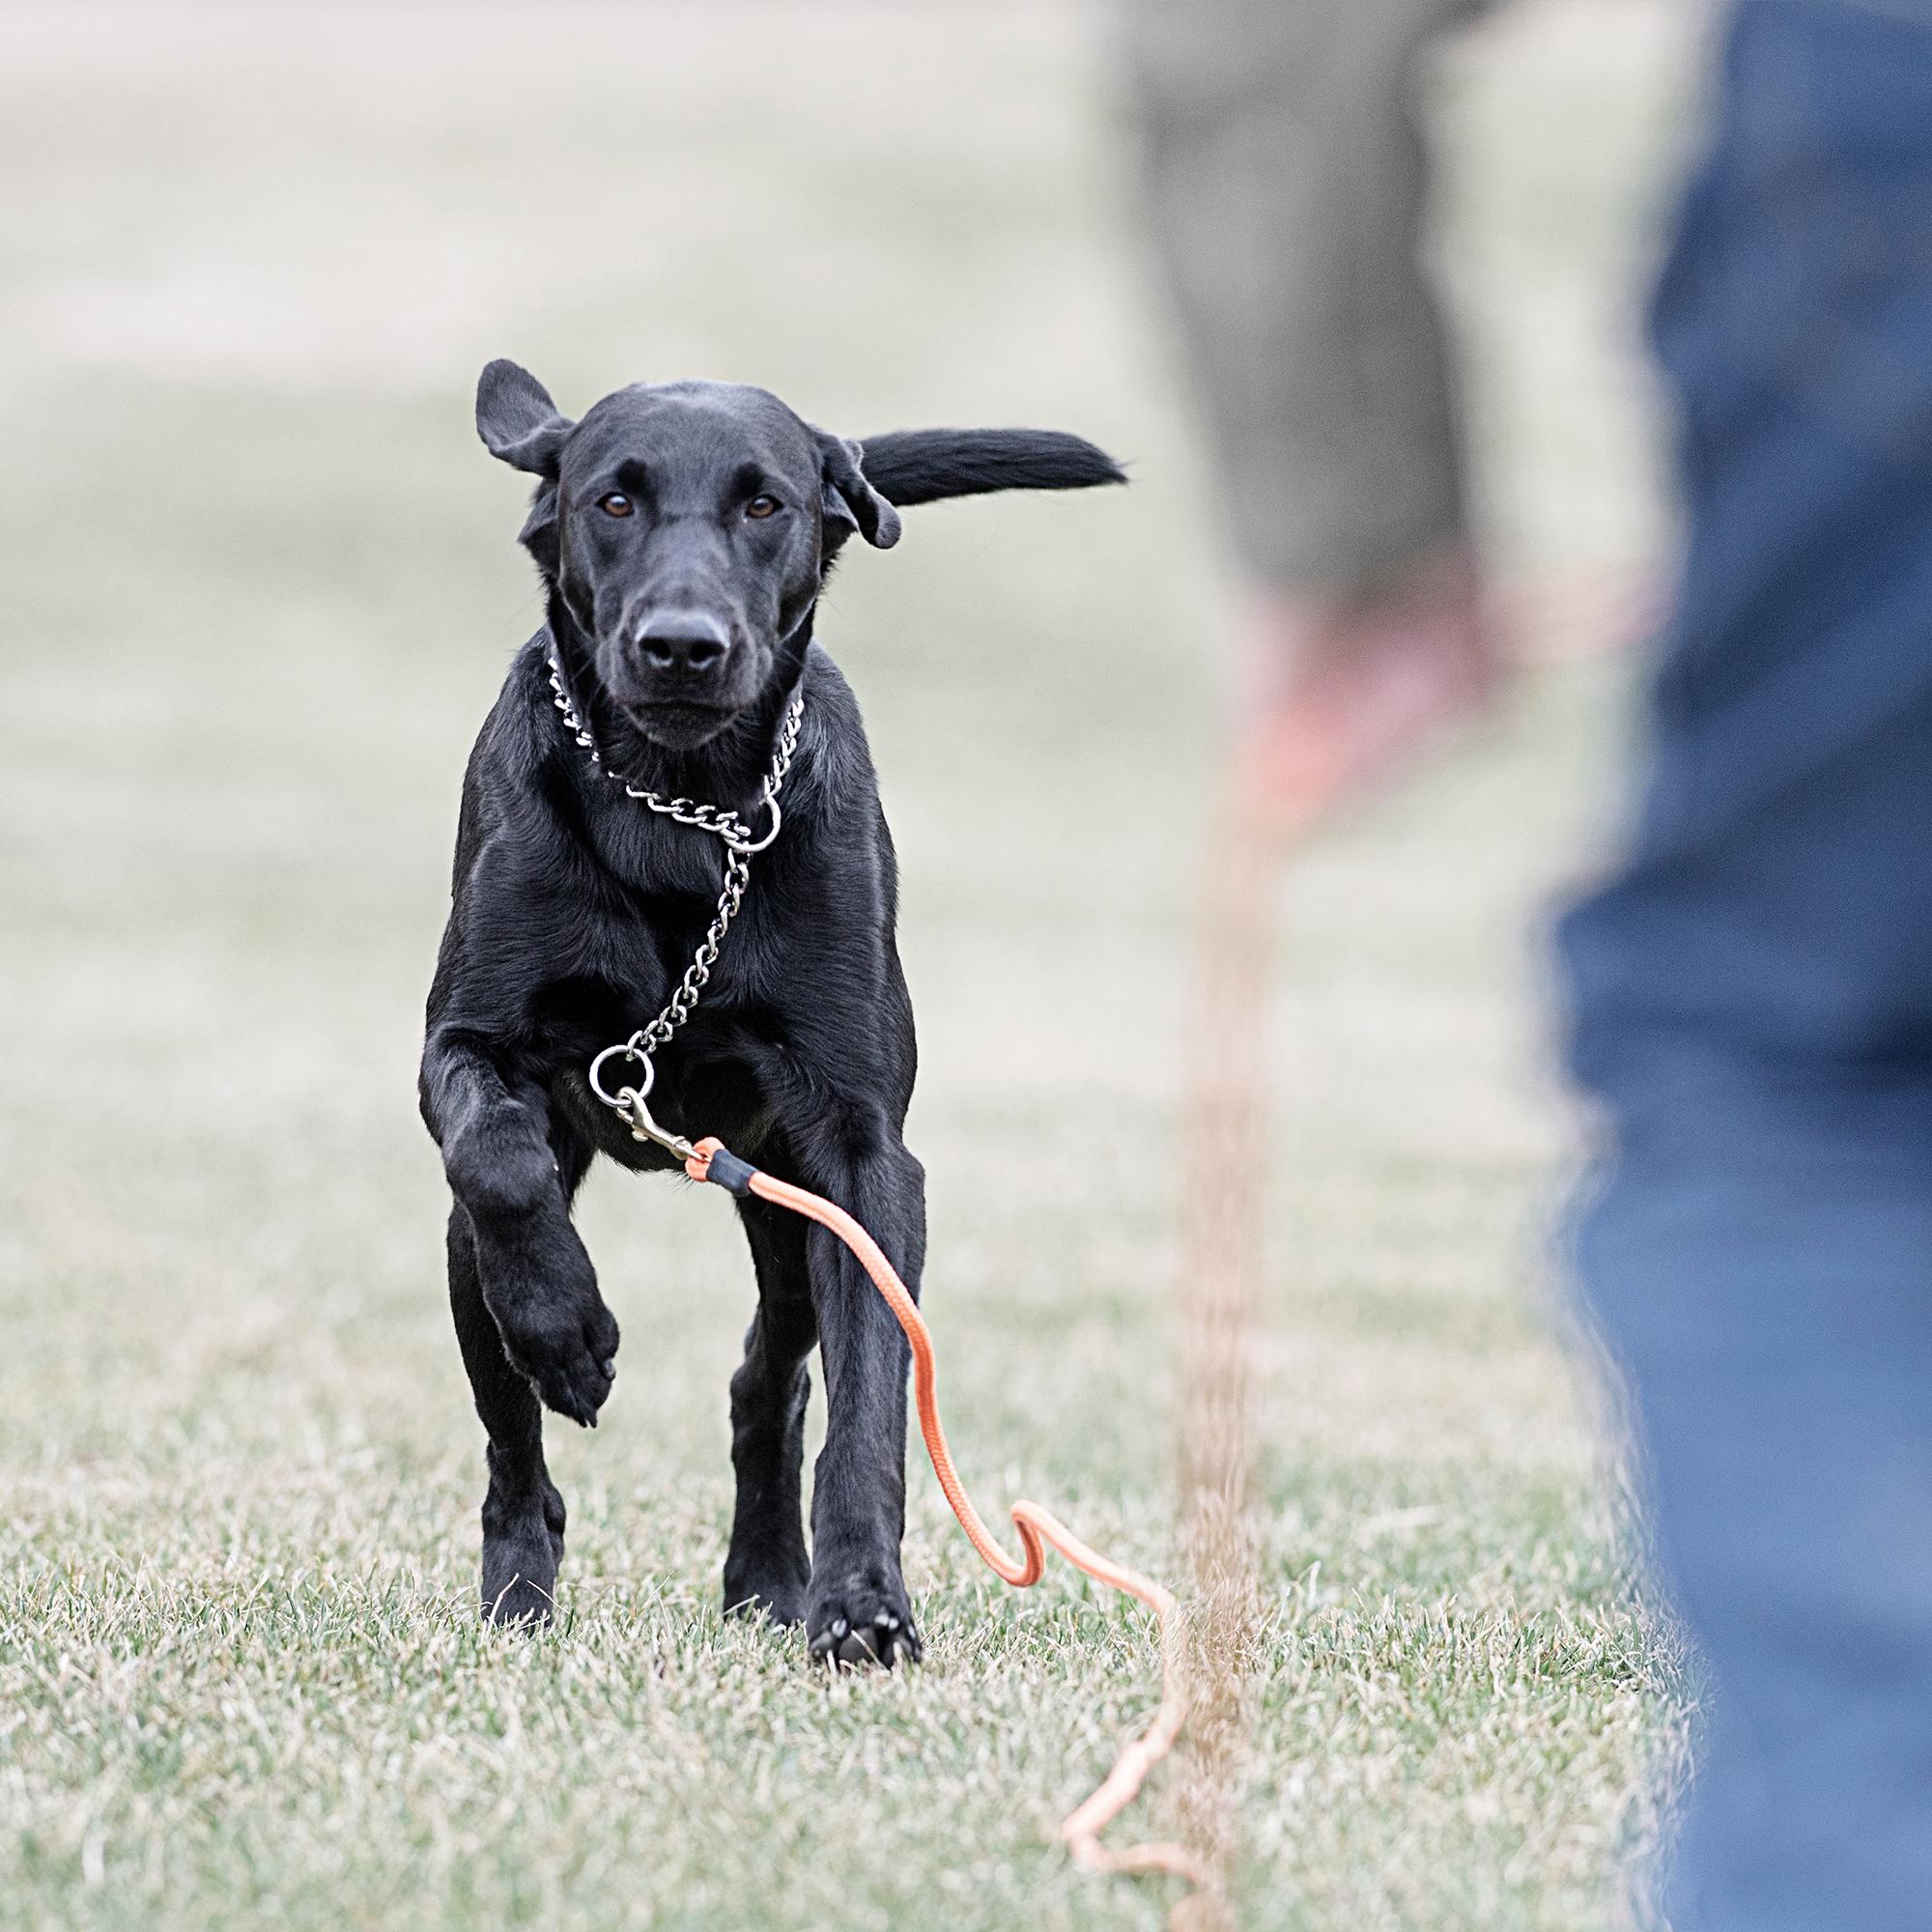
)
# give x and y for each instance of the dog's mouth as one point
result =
(680, 723)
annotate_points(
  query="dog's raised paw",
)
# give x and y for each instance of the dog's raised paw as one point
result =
(568, 1354)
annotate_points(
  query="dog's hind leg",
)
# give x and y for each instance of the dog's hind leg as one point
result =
(767, 1568)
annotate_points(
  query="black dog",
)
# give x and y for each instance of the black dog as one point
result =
(683, 533)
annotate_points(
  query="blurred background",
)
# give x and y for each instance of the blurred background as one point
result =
(259, 587)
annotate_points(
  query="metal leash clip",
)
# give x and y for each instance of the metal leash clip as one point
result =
(629, 1105)
(644, 1128)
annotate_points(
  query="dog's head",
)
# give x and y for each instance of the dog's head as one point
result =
(686, 528)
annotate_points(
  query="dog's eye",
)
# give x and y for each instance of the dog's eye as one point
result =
(762, 506)
(615, 505)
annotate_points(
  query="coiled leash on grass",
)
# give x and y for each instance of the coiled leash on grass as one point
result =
(709, 1160)
(1080, 1830)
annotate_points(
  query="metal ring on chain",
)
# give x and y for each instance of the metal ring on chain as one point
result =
(746, 846)
(631, 1050)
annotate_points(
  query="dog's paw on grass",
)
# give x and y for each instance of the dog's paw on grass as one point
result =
(862, 1616)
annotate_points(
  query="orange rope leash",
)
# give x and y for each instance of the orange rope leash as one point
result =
(1080, 1830)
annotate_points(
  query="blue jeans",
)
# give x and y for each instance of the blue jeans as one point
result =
(1752, 989)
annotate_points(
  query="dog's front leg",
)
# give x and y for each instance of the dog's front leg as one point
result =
(768, 1569)
(523, 1510)
(529, 1317)
(857, 1609)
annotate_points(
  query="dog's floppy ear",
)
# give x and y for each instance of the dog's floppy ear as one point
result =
(517, 421)
(923, 466)
(846, 501)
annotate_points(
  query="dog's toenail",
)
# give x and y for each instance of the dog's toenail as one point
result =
(840, 1627)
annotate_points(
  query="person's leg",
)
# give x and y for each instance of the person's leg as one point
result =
(1287, 187)
(1753, 989)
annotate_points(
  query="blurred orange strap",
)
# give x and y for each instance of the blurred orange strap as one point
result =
(1038, 1529)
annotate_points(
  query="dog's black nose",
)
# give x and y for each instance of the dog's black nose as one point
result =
(682, 640)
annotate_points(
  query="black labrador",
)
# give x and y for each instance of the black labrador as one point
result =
(682, 531)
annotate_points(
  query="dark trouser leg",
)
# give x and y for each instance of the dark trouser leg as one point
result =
(1764, 1284)
(1754, 990)
(768, 1568)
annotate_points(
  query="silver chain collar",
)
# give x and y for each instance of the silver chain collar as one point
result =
(735, 836)
(714, 818)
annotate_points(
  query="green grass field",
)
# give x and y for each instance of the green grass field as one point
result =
(259, 587)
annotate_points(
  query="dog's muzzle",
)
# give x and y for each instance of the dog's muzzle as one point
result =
(681, 646)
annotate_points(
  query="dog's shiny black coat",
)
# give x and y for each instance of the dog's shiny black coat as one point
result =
(682, 531)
